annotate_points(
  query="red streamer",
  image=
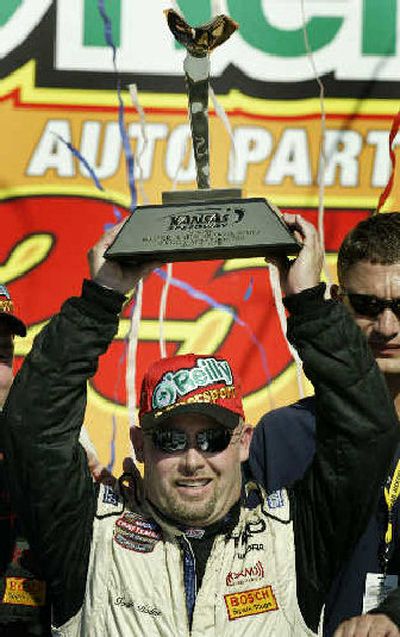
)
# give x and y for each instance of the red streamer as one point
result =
(388, 189)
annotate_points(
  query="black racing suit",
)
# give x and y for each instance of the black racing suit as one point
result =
(357, 430)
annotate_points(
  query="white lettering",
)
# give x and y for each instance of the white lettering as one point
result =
(381, 165)
(90, 148)
(252, 145)
(291, 159)
(342, 149)
(51, 152)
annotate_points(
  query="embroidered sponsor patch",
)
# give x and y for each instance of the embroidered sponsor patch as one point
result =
(275, 500)
(248, 574)
(195, 534)
(136, 533)
(109, 496)
(253, 602)
(24, 591)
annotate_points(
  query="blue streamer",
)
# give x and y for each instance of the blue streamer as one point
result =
(117, 217)
(201, 296)
(121, 361)
(196, 294)
(107, 28)
(130, 164)
(110, 465)
(81, 158)
(249, 290)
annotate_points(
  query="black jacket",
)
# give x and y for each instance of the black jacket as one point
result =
(357, 430)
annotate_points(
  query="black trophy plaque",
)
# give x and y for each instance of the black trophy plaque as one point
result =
(210, 227)
(202, 224)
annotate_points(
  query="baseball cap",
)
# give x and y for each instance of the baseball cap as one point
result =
(189, 383)
(7, 315)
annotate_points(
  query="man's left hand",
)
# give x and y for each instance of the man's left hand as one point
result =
(303, 272)
(367, 626)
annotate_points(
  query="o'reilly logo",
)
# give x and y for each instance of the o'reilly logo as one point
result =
(174, 385)
(204, 220)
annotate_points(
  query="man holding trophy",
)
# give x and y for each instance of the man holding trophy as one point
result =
(192, 548)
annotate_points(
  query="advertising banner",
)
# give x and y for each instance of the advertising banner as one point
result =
(302, 102)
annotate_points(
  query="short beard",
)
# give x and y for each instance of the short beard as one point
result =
(195, 513)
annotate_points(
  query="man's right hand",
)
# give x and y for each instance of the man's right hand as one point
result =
(118, 276)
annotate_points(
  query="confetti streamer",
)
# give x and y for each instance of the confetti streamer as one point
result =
(117, 219)
(130, 379)
(120, 365)
(220, 111)
(130, 168)
(322, 156)
(129, 160)
(388, 188)
(133, 92)
(111, 463)
(163, 309)
(82, 159)
(249, 290)
(280, 308)
(107, 29)
(201, 296)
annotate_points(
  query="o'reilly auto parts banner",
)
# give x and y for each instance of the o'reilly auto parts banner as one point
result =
(58, 95)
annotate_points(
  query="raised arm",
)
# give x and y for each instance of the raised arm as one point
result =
(53, 489)
(357, 429)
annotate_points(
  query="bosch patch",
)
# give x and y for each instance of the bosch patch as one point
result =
(136, 533)
(253, 602)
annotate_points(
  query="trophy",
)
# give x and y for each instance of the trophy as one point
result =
(206, 223)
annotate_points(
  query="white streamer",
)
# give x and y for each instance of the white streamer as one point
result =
(133, 92)
(280, 308)
(163, 309)
(219, 109)
(322, 156)
(130, 379)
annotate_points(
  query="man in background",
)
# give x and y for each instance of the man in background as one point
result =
(284, 441)
(23, 609)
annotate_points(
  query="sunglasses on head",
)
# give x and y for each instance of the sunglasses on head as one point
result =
(206, 441)
(372, 306)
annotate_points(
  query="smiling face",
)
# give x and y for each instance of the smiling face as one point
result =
(192, 487)
(382, 332)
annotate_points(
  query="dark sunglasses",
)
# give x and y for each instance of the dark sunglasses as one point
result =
(372, 306)
(207, 441)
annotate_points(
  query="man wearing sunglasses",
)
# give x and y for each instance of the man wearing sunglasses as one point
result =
(369, 286)
(192, 548)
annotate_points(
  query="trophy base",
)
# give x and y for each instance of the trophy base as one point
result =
(203, 225)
